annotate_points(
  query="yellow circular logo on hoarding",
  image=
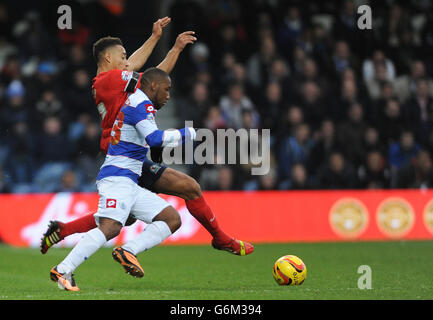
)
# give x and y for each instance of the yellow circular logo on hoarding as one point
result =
(348, 217)
(395, 217)
(428, 216)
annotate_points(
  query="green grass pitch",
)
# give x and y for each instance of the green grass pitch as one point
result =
(400, 270)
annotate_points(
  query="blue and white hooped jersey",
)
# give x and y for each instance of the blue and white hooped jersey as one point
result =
(133, 133)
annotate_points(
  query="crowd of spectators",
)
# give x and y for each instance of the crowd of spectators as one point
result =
(346, 108)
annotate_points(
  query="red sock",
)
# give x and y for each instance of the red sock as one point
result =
(79, 225)
(201, 211)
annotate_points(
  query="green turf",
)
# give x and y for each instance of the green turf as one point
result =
(400, 270)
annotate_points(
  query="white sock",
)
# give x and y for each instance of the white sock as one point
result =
(154, 234)
(88, 245)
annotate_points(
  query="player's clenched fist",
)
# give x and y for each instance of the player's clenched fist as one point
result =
(185, 38)
(159, 25)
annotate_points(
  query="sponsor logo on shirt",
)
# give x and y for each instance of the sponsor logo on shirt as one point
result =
(111, 203)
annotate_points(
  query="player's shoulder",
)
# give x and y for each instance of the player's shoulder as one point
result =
(115, 76)
(140, 101)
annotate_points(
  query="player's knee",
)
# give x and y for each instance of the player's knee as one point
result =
(110, 228)
(175, 222)
(171, 217)
(191, 188)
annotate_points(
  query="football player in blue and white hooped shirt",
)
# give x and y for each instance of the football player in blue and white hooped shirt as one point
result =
(119, 195)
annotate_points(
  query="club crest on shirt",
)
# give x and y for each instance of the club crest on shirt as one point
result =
(126, 75)
(155, 168)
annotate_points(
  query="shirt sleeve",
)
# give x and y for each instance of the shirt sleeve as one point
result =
(145, 124)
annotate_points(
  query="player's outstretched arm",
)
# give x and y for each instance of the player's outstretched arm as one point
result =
(140, 56)
(170, 59)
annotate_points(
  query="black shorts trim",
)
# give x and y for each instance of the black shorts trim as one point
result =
(150, 173)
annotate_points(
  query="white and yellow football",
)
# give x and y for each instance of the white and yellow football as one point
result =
(289, 271)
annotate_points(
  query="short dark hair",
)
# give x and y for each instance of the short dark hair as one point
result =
(151, 75)
(102, 44)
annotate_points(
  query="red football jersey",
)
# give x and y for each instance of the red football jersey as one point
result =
(110, 90)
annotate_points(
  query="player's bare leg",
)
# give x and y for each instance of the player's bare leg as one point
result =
(163, 225)
(178, 184)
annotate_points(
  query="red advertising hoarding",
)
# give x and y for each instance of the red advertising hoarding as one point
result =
(274, 216)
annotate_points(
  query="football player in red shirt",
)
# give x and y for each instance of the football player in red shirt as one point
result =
(117, 77)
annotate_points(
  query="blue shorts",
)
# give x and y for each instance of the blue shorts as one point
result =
(150, 173)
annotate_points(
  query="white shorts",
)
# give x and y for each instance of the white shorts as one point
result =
(120, 196)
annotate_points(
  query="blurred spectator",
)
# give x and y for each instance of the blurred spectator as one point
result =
(88, 144)
(48, 105)
(405, 85)
(52, 144)
(32, 37)
(313, 104)
(199, 57)
(44, 79)
(218, 178)
(298, 60)
(401, 153)
(232, 105)
(299, 178)
(259, 62)
(6, 49)
(295, 149)
(231, 38)
(350, 134)
(86, 148)
(280, 71)
(346, 22)
(78, 35)
(348, 95)
(5, 22)
(369, 66)
(325, 144)
(15, 109)
(372, 141)
(4, 185)
(337, 173)
(271, 106)
(225, 179)
(78, 98)
(196, 107)
(11, 69)
(310, 72)
(373, 174)
(77, 60)
(396, 26)
(380, 77)
(290, 30)
(419, 111)
(268, 181)
(342, 58)
(214, 119)
(291, 118)
(391, 121)
(18, 162)
(376, 109)
(68, 182)
(418, 173)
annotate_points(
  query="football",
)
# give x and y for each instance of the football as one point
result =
(289, 271)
